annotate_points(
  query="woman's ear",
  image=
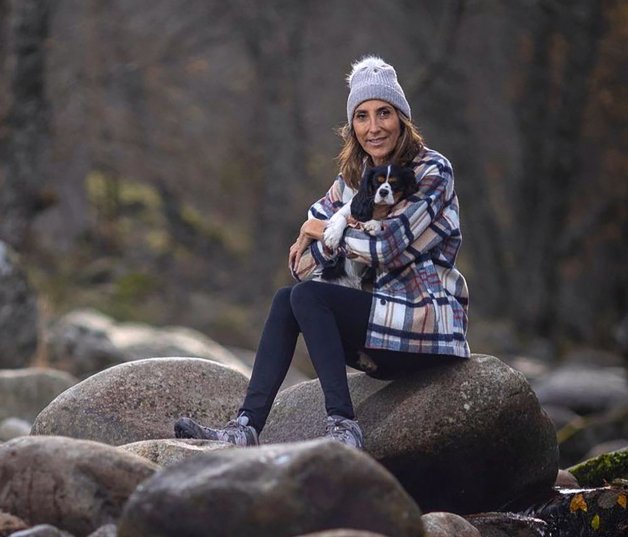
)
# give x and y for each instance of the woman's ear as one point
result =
(362, 202)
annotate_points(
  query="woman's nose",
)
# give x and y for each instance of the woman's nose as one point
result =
(374, 124)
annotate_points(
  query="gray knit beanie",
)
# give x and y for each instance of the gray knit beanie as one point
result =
(372, 78)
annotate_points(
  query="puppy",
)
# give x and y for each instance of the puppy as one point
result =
(381, 187)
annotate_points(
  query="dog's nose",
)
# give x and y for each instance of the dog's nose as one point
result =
(383, 191)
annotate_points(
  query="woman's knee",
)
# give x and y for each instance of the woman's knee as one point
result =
(281, 301)
(303, 294)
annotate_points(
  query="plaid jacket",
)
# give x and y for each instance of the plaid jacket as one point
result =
(420, 299)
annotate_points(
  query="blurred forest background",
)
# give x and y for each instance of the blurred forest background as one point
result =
(158, 157)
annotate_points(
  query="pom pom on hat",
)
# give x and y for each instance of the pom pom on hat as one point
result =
(372, 78)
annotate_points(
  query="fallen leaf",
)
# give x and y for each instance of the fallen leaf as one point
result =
(595, 522)
(578, 503)
(621, 500)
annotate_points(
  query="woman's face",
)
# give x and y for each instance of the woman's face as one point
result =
(377, 127)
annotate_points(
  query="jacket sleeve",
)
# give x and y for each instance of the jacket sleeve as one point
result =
(414, 227)
(318, 254)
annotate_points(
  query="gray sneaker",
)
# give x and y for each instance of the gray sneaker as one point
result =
(237, 431)
(344, 430)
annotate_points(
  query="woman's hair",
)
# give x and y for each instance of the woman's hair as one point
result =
(351, 157)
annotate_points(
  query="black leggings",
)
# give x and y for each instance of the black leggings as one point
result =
(333, 320)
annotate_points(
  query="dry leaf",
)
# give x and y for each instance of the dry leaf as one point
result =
(578, 503)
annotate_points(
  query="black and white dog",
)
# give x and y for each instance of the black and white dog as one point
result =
(381, 187)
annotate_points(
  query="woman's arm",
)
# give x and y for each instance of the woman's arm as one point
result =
(308, 250)
(311, 230)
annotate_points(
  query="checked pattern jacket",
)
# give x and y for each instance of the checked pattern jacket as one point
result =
(420, 299)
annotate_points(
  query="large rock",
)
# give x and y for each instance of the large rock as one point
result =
(141, 400)
(9, 524)
(166, 452)
(108, 530)
(85, 342)
(24, 393)
(462, 437)
(14, 427)
(75, 485)
(344, 533)
(18, 313)
(42, 530)
(509, 525)
(79, 343)
(271, 491)
(584, 389)
(439, 524)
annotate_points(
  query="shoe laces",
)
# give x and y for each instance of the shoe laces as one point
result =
(344, 430)
(238, 424)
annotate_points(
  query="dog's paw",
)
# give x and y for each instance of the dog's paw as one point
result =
(333, 232)
(372, 226)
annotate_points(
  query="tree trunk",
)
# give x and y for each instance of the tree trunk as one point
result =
(551, 121)
(273, 38)
(26, 134)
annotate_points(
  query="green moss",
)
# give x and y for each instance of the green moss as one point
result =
(603, 469)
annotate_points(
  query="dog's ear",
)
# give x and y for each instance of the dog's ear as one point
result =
(362, 202)
(409, 181)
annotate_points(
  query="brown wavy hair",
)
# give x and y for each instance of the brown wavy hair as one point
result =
(351, 157)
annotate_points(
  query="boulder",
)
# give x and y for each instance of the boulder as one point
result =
(166, 452)
(24, 393)
(19, 316)
(344, 533)
(42, 530)
(585, 390)
(108, 530)
(566, 480)
(462, 437)
(509, 525)
(13, 427)
(85, 342)
(79, 343)
(141, 400)
(272, 491)
(439, 524)
(9, 524)
(75, 485)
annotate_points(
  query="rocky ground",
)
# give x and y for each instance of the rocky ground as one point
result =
(466, 449)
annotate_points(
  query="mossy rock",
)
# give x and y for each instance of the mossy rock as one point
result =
(603, 469)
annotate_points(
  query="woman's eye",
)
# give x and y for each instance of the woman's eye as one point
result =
(384, 113)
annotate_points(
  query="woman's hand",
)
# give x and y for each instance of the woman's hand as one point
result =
(311, 230)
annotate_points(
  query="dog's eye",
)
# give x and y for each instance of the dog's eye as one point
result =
(392, 180)
(381, 179)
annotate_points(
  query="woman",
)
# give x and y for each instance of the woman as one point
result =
(415, 313)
